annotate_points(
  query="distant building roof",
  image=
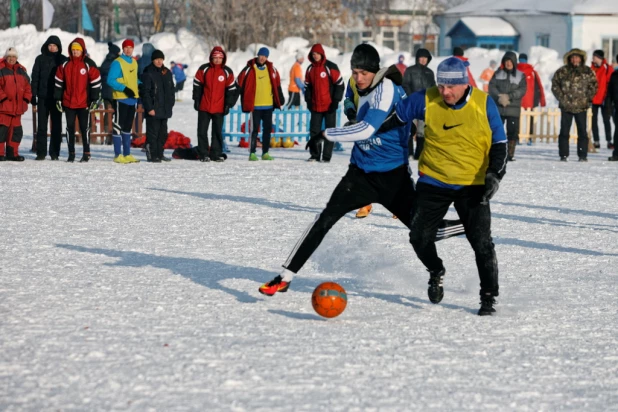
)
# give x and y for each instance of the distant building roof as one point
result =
(495, 7)
(489, 26)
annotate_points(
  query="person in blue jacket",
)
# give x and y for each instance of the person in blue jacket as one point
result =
(122, 78)
(178, 70)
(462, 163)
(378, 171)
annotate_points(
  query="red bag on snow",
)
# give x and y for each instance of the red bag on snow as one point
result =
(175, 140)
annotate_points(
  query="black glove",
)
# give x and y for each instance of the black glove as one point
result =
(492, 183)
(33, 100)
(315, 140)
(349, 123)
(226, 110)
(351, 114)
(59, 106)
(391, 122)
(130, 93)
(196, 105)
(333, 107)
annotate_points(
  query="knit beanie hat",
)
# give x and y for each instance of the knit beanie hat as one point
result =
(11, 52)
(112, 48)
(458, 51)
(300, 55)
(365, 57)
(523, 58)
(263, 52)
(452, 71)
(157, 54)
(76, 46)
(599, 53)
(128, 43)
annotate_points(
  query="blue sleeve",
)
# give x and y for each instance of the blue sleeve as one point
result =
(349, 94)
(412, 107)
(495, 122)
(300, 84)
(115, 72)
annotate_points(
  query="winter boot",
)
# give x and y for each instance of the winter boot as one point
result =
(71, 158)
(487, 306)
(512, 146)
(40, 157)
(85, 157)
(436, 290)
(253, 157)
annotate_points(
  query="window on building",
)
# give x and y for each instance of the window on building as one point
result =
(488, 46)
(542, 39)
(389, 35)
(610, 47)
(367, 34)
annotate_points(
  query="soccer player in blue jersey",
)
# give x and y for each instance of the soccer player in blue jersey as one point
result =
(378, 171)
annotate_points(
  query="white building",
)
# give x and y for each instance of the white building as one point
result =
(557, 24)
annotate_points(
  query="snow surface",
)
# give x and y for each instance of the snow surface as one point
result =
(489, 26)
(134, 287)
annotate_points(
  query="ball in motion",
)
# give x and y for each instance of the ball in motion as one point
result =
(329, 299)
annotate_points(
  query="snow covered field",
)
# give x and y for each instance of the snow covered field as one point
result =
(134, 287)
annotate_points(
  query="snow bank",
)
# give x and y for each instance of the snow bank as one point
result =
(193, 50)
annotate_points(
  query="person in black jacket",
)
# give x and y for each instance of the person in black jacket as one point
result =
(106, 94)
(43, 74)
(507, 88)
(415, 78)
(612, 93)
(158, 98)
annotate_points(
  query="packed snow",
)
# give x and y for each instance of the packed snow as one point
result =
(135, 287)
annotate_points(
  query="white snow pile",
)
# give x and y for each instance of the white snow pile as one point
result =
(193, 50)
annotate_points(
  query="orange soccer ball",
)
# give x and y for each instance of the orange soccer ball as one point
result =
(329, 299)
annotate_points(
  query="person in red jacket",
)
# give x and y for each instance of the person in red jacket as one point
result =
(459, 53)
(535, 93)
(15, 95)
(324, 89)
(78, 87)
(260, 89)
(214, 93)
(604, 71)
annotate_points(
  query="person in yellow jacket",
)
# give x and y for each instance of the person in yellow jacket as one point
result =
(122, 78)
(463, 161)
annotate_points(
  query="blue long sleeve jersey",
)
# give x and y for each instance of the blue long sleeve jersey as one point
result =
(115, 73)
(413, 108)
(375, 152)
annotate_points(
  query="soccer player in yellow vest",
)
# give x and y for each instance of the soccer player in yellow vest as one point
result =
(463, 161)
(122, 78)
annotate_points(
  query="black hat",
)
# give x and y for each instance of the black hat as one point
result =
(365, 57)
(157, 54)
(523, 58)
(112, 48)
(458, 51)
(599, 53)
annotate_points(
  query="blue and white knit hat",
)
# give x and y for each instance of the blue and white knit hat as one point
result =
(452, 71)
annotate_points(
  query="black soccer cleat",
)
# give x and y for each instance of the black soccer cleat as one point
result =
(71, 158)
(487, 306)
(435, 292)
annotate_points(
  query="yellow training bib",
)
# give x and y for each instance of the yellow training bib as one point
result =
(263, 88)
(457, 142)
(129, 78)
